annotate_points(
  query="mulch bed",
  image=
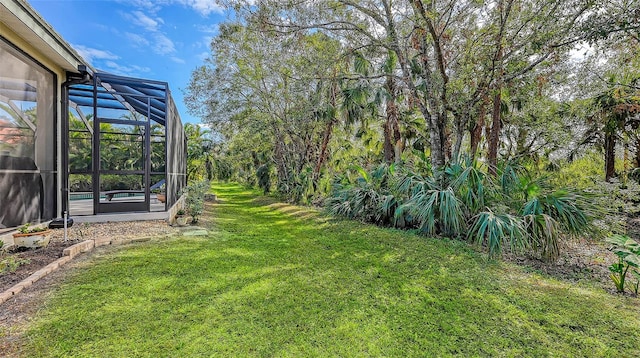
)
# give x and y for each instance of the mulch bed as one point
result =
(40, 257)
(36, 258)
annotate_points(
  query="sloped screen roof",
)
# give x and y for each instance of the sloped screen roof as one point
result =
(118, 92)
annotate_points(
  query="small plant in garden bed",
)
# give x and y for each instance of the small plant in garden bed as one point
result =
(31, 237)
(27, 229)
(181, 217)
(9, 264)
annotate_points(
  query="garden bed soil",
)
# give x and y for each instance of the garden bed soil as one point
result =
(34, 259)
(40, 257)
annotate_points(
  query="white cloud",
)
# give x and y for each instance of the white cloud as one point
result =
(178, 60)
(163, 45)
(211, 29)
(137, 40)
(204, 7)
(132, 70)
(141, 19)
(152, 36)
(91, 54)
(205, 42)
(151, 5)
(203, 56)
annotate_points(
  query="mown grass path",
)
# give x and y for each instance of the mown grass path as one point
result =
(278, 280)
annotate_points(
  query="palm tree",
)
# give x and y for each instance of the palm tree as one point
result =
(199, 156)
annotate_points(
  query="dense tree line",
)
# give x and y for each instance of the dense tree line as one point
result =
(316, 93)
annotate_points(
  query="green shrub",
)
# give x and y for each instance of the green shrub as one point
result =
(516, 211)
(496, 230)
(369, 198)
(194, 198)
(80, 182)
(581, 173)
(263, 173)
(547, 216)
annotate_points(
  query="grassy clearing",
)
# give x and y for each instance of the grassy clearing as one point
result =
(278, 280)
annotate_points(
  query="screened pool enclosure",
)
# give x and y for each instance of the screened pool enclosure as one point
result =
(122, 149)
(78, 141)
(126, 145)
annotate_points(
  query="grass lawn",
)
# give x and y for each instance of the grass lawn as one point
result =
(279, 280)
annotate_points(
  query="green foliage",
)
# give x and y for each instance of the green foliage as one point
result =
(10, 263)
(194, 198)
(517, 212)
(80, 182)
(199, 153)
(614, 202)
(548, 216)
(436, 211)
(628, 252)
(264, 178)
(27, 229)
(368, 198)
(472, 186)
(581, 173)
(497, 230)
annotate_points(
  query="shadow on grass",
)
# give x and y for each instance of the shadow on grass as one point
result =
(280, 280)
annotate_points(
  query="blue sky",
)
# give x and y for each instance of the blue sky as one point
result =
(155, 39)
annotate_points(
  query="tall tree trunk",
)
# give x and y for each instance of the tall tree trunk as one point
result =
(393, 145)
(397, 137)
(388, 144)
(430, 111)
(637, 153)
(446, 136)
(609, 155)
(492, 154)
(461, 124)
(279, 157)
(522, 147)
(322, 156)
(436, 119)
(494, 135)
(476, 131)
(436, 133)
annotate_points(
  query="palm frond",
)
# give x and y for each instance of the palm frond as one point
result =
(450, 210)
(495, 230)
(544, 231)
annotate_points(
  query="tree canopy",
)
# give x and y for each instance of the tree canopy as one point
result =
(307, 89)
